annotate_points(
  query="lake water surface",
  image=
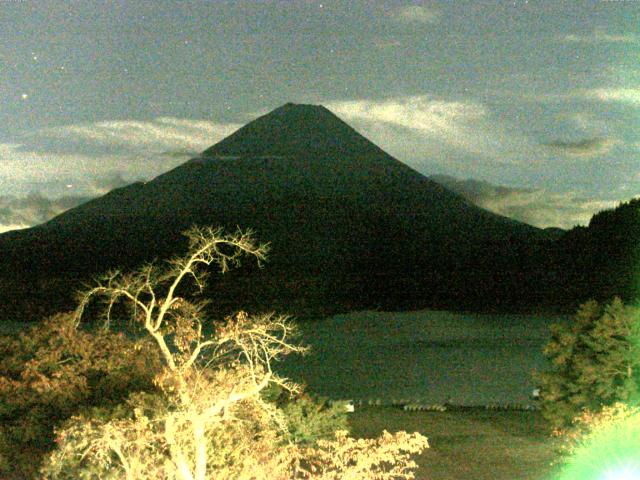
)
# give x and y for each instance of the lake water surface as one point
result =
(428, 356)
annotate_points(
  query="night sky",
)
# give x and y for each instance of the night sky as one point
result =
(541, 97)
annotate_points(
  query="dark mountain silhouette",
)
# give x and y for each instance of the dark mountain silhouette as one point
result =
(602, 260)
(349, 225)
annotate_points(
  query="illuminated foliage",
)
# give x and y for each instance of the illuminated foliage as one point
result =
(309, 420)
(595, 362)
(387, 457)
(54, 370)
(210, 417)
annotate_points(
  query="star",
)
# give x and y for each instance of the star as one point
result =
(25, 96)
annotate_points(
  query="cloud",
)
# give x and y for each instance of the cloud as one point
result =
(626, 95)
(582, 122)
(588, 147)
(55, 174)
(419, 113)
(600, 36)
(109, 182)
(164, 134)
(70, 164)
(79, 159)
(416, 14)
(536, 207)
(22, 212)
(431, 126)
(623, 95)
(33, 209)
(10, 227)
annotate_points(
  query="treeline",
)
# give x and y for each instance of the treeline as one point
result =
(517, 273)
(602, 260)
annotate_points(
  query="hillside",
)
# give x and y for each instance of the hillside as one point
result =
(602, 260)
(349, 225)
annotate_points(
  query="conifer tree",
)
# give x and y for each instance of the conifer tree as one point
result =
(595, 362)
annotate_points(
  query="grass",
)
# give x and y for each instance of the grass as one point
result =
(473, 444)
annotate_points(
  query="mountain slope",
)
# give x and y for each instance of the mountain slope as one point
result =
(601, 260)
(350, 226)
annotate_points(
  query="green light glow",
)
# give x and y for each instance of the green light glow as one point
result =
(609, 452)
(611, 448)
(624, 473)
(612, 452)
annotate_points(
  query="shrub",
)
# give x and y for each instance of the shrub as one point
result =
(385, 457)
(54, 370)
(595, 362)
(309, 420)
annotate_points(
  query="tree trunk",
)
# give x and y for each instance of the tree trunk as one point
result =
(200, 443)
(182, 466)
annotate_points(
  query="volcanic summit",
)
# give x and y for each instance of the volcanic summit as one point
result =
(349, 226)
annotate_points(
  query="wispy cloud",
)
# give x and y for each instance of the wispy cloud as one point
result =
(432, 123)
(416, 14)
(536, 207)
(83, 155)
(23, 171)
(417, 112)
(72, 163)
(585, 122)
(152, 136)
(601, 36)
(587, 147)
(33, 209)
(623, 95)
(628, 95)
(109, 182)
(16, 212)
